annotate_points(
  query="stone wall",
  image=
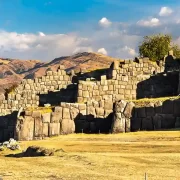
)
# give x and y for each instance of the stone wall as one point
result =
(93, 117)
(53, 87)
(130, 80)
(7, 126)
(125, 79)
(160, 85)
(93, 112)
(151, 116)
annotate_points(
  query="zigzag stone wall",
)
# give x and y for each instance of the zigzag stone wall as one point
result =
(129, 80)
(126, 80)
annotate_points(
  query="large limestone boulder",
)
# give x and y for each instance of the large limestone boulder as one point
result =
(120, 106)
(67, 126)
(118, 124)
(136, 124)
(82, 126)
(38, 129)
(157, 121)
(168, 107)
(54, 129)
(45, 131)
(56, 117)
(168, 121)
(66, 113)
(46, 117)
(128, 111)
(24, 130)
(128, 125)
(147, 124)
(140, 112)
(150, 110)
(177, 123)
(177, 108)
(74, 113)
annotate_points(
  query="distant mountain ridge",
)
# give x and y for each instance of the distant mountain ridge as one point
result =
(12, 71)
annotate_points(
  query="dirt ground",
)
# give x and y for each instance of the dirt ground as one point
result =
(99, 157)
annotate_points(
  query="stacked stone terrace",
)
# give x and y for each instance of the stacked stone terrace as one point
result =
(123, 81)
(92, 107)
(27, 94)
(126, 80)
(67, 118)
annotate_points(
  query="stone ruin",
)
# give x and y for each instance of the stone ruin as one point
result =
(105, 103)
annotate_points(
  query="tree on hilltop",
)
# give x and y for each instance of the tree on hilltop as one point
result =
(155, 47)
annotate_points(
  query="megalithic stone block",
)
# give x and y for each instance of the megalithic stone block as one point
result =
(118, 124)
(24, 130)
(54, 129)
(45, 132)
(116, 64)
(67, 126)
(38, 127)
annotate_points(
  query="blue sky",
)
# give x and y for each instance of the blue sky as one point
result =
(28, 28)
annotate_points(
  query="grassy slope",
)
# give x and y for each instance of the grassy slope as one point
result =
(122, 156)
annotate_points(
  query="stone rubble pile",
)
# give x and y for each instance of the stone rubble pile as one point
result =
(11, 144)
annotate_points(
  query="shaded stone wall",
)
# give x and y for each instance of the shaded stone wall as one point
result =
(7, 126)
(130, 80)
(152, 116)
(160, 85)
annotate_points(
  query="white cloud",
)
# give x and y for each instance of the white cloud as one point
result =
(82, 49)
(41, 34)
(102, 51)
(130, 51)
(50, 46)
(39, 46)
(149, 23)
(120, 39)
(165, 11)
(104, 22)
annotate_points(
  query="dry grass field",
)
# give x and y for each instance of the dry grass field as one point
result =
(100, 157)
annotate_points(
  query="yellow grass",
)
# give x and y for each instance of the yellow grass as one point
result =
(145, 101)
(41, 109)
(100, 157)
